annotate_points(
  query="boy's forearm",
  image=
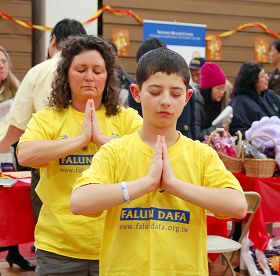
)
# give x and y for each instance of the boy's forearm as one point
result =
(94, 198)
(220, 201)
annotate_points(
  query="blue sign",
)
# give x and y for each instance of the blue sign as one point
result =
(175, 33)
(186, 39)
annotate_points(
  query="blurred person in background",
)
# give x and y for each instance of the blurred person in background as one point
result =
(8, 81)
(251, 98)
(274, 59)
(210, 100)
(195, 66)
(8, 87)
(125, 79)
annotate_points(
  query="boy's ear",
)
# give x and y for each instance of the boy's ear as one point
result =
(188, 95)
(135, 92)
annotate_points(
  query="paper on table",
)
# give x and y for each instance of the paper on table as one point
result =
(19, 174)
(24, 180)
(7, 182)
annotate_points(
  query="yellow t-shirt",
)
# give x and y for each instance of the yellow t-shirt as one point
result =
(58, 230)
(158, 233)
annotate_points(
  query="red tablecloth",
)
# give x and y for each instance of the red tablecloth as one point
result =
(16, 217)
(269, 210)
(218, 227)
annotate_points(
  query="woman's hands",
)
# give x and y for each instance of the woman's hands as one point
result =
(90, 127)
(87, 123)
(160, 174)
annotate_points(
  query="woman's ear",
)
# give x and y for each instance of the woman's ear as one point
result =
(135, 92)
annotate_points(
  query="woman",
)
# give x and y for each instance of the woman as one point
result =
(84, 114)
(8, 81)
(8, 87)
(251, 99)
(210, 100)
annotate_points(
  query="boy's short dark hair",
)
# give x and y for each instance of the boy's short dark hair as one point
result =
(67, 27)
(148, 45)
(162, 60)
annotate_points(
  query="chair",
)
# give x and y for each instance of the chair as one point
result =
(219, 244)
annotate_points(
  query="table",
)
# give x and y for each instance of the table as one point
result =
(16, 217)
(268, 212)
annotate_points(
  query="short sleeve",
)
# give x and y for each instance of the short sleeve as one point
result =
(102, 169)
(132, 121)
(39, 127)
(22, 107)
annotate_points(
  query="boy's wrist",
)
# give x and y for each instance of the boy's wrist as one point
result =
(171, 187)
(150, 184)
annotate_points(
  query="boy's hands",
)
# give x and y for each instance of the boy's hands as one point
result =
(155, 171)
(160, 174)
(167, 177)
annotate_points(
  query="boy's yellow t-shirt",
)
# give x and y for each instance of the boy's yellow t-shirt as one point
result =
(158, 233)
(58, 230)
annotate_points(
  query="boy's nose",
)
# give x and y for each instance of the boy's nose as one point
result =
(165, 100)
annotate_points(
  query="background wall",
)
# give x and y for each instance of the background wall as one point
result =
(218, 15)
(16, 39)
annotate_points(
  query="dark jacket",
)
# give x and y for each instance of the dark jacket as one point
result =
(274, 81)
(202, 121)
(185, 123)
(251, 107)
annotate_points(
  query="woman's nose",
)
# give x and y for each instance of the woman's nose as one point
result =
(89, 76)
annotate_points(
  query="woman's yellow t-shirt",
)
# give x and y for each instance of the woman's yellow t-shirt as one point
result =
(58, 230)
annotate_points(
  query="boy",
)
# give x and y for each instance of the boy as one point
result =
(161, 183)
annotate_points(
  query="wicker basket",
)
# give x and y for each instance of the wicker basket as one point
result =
(260, 167)
(235, 165)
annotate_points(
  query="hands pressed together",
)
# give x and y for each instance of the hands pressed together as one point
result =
(90, 127)
(160, 174)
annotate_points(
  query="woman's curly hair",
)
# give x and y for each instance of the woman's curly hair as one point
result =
(61, 93)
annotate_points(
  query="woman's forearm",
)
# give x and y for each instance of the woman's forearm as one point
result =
(38, 152)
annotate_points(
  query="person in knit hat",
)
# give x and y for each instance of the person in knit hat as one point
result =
(209, 99)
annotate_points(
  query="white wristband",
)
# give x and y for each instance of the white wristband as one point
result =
(125, 192)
